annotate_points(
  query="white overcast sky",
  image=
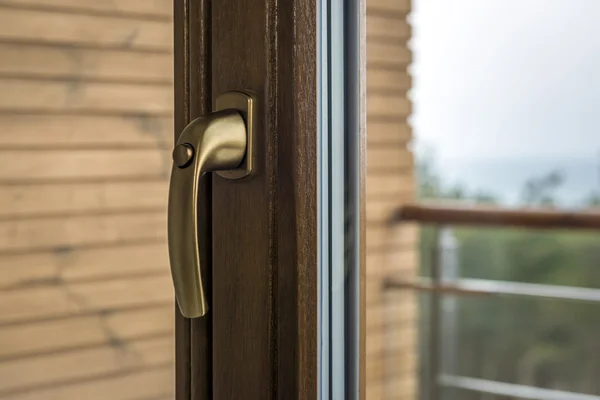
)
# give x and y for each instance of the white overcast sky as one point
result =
(507, 78)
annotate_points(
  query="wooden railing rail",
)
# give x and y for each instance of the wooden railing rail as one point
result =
(532, 218)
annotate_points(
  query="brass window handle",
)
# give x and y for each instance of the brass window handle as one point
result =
(220, 141)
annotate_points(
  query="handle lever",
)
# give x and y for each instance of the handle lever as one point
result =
(220, 141)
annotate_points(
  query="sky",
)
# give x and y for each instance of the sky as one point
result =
(506, 79)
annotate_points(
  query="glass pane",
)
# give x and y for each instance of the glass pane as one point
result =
(339, 198)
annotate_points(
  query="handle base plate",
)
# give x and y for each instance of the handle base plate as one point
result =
(245, 103)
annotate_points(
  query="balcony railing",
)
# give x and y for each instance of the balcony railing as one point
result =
(437, 286)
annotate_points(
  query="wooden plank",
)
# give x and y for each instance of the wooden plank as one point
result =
(394, 363)
(20, 271)
(384, 210)
(391, 315)
(384, 53)
(84, 97)
(388, 7)
(381, 79)
(383, 236)
(401, 262)
(78, 131)
(395, 339)
(123, 357)
(76, 64)
(389, 185)
(22, 25)
(387, 28)
(399, 388)
(491, 216)
(377, 296)
(92, 330)
(388, 105)
(60, 234)
(386, 134)
(156, 8)
(64, 299)
(127, 386)
(388, 159)
(21, 166)
(79, 198)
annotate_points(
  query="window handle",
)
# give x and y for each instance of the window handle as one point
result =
(220, 141)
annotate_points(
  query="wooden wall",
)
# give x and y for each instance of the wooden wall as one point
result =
(85, 131)
(391, 318)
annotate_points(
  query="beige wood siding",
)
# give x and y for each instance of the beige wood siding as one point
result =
(391, 317)
(86, 305)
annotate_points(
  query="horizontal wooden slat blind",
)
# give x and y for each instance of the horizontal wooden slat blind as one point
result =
(391, 337)
(86, 304)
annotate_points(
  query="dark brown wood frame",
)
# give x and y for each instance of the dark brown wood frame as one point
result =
(266, 347)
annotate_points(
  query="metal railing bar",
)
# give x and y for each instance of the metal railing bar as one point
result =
(530, 289)
(468, 286)
(510, 389)
(435, 311)
(424, 286)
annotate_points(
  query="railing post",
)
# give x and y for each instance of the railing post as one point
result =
(434, 319)
(449, 262)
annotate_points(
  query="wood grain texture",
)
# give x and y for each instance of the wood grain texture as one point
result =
(394, 80)
(69, 265)
(26, 96)
(244, 281)
(34, 338)
(385, 134)
(81, 165)
(35, 26)
(383, 53)
(60, 234)
(390, 8)
(388, 105)
(387, 28)
(297, 200)
(85, 131)
(271, 321)
(131, 385)
(136, 8)
(392, 315)
(391, 318)
(43, 200)
(76, 64)
(22, 131)
(18, 375)
(390, 158)
(392, 184)
(65, 300)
